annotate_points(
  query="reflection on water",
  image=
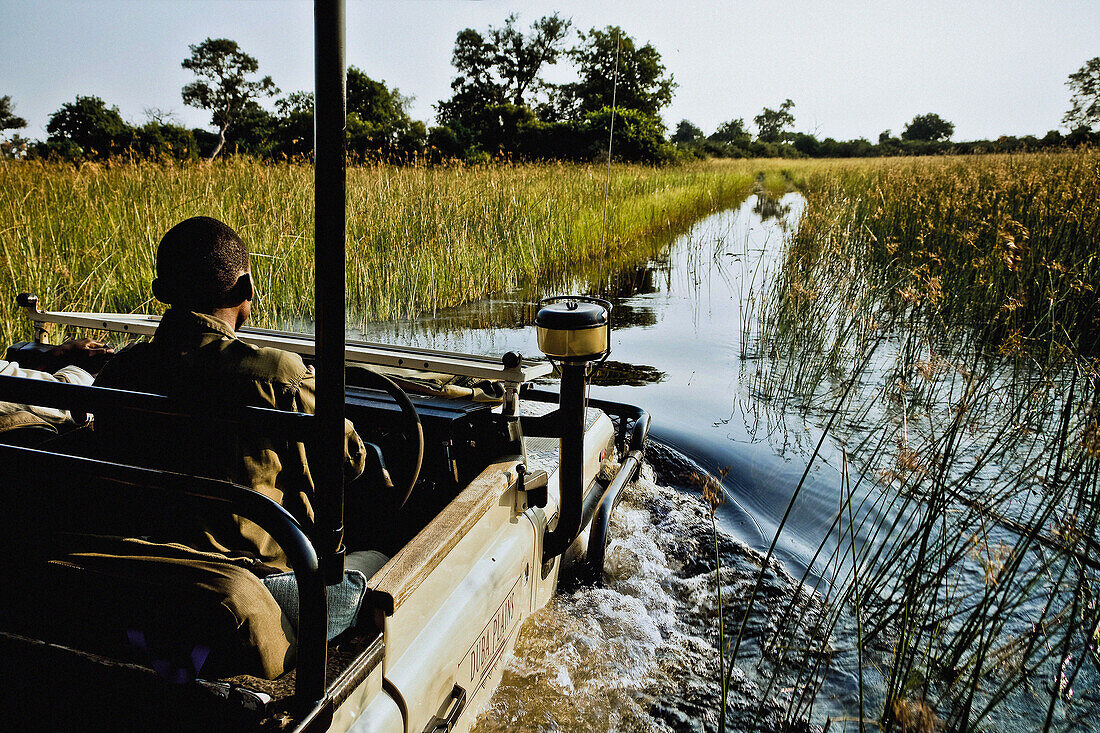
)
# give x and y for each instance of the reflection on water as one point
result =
(769, 207)
(616, 373)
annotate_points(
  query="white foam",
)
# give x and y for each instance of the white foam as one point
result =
(640, 652)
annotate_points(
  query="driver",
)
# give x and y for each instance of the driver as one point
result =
(203, 274)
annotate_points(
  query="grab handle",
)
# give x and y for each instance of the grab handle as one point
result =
(445, 719)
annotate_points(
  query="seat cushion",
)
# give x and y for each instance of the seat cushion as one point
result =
(185, 613)
(24, 428)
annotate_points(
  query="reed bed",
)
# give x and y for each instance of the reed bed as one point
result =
(937, 318)
(1005, 245)
(419, 238)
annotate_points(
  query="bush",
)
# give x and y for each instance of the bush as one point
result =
(638, 137)
(539, 140)
(443, 144)
(160, 141)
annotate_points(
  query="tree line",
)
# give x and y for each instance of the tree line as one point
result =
(501, 106)
(926, 134)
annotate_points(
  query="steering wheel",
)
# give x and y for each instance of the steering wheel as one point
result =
(410, 421)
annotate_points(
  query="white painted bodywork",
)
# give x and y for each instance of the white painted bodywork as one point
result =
(460, 623)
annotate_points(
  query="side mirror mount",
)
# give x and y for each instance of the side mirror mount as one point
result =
(530, 488)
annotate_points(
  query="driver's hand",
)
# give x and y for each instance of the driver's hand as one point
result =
(81, 348)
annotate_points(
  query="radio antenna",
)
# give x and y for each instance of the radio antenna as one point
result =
(610, 139)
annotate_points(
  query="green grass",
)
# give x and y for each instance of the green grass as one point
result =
(419, 238)
(1004, 244)
(944, 311)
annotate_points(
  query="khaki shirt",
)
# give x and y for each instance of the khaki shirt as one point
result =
(197, 358)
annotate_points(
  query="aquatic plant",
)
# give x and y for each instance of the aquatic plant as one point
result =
(1003, 244)
(945, 313)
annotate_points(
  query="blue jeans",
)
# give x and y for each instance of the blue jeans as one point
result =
(344, 599)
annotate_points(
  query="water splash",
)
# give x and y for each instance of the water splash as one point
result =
(639, 653)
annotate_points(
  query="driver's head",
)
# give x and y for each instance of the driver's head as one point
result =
(202, 265)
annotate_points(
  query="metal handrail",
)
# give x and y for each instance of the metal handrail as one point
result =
(295, 426)
(371, 353)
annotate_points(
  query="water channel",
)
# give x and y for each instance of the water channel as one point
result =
(639, 652)
(679, 322)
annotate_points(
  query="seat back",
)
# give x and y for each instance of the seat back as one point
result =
(23, 427)
(168, 606)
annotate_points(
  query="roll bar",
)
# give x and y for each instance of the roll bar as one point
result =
(329, 160)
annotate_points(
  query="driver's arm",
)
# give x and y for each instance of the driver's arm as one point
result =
(354, 452)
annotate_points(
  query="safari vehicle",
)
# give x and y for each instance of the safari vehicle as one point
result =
(479, 505)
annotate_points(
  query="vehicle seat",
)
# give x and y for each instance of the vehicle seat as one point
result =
(25, 429)
(183, 612)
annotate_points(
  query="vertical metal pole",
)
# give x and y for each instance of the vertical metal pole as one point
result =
(570, 427)
(327, 461)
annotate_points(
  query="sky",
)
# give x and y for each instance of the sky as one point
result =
(853, 69)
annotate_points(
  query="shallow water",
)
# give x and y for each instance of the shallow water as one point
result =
(640, 651)
(676, 351)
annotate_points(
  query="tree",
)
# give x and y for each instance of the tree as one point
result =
(162, 140)
(686, 132)
(223, 87)
(443, 144)
(499, 68)
(252, 132)
(731, 133)
(806, 144)
(378, 119)
(771, 123)
(638, 136)
(930, 128)
(296, 103)
(1085, 103)
(611, 68)
(8, 120)
(294, 125)
(88, 123)
(519, 58)
(376, 104)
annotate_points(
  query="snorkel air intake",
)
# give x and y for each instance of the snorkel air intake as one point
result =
(575, 333)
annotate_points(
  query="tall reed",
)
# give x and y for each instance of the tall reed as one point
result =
(1002, 244)
(419, 238)
(945, 309)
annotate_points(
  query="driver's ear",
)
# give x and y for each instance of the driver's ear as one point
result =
(242, 290)
(160, 291)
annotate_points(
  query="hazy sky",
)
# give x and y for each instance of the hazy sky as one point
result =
(853, 69)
